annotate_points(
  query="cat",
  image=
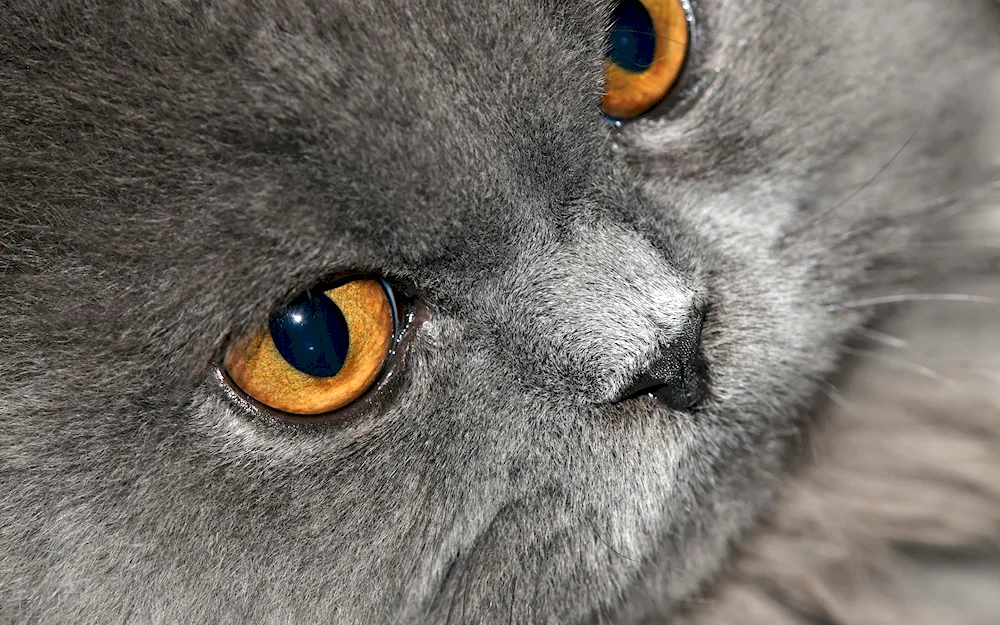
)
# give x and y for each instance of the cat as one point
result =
(620, 384)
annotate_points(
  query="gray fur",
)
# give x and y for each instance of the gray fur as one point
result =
(171, 171)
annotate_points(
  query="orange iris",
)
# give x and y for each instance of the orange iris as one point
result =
(631, 92)
(257, 366)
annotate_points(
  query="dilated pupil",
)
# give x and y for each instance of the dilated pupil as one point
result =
(312, 335)
(632, 40)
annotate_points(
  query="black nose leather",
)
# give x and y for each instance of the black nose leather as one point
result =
(678, 375)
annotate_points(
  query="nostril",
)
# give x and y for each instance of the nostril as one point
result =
(687, 388)
(678, 375)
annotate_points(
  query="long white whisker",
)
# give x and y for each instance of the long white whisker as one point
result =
(837, 397)
(883, 338)
(989, 374)
(901, 363)
(900, 298)
(933, 211)
(946, 249)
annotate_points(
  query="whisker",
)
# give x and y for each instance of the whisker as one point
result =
(945, 207)
(896, 342)
(967, 243)
(821, 215)
(939, 249)
(965, 200)
(883, 338)
(930, 213)
(901, 363)
(900, 175)
(597, 535)
(836, 397)
(900, 298)
(989, 374)
(805, 19)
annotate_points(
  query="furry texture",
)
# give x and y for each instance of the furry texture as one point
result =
(894, 518)
(171, 171)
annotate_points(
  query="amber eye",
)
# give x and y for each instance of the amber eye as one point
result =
(320, 352)
(646, 48)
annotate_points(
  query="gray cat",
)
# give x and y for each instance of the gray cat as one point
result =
(613, 343)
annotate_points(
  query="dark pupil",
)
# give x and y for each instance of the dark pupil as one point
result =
(311, 334)
(632, 41)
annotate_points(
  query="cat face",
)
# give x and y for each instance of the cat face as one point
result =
(173, 173)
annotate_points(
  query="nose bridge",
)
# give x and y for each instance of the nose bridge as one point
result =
(598, 307)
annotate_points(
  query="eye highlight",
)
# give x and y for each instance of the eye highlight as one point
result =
(320, 352)
(646, 48)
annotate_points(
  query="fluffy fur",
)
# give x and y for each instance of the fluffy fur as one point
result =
(171, 171)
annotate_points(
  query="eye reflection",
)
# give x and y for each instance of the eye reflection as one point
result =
(312, 335)
(320, 352)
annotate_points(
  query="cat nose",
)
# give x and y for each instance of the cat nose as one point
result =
(677, 375)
